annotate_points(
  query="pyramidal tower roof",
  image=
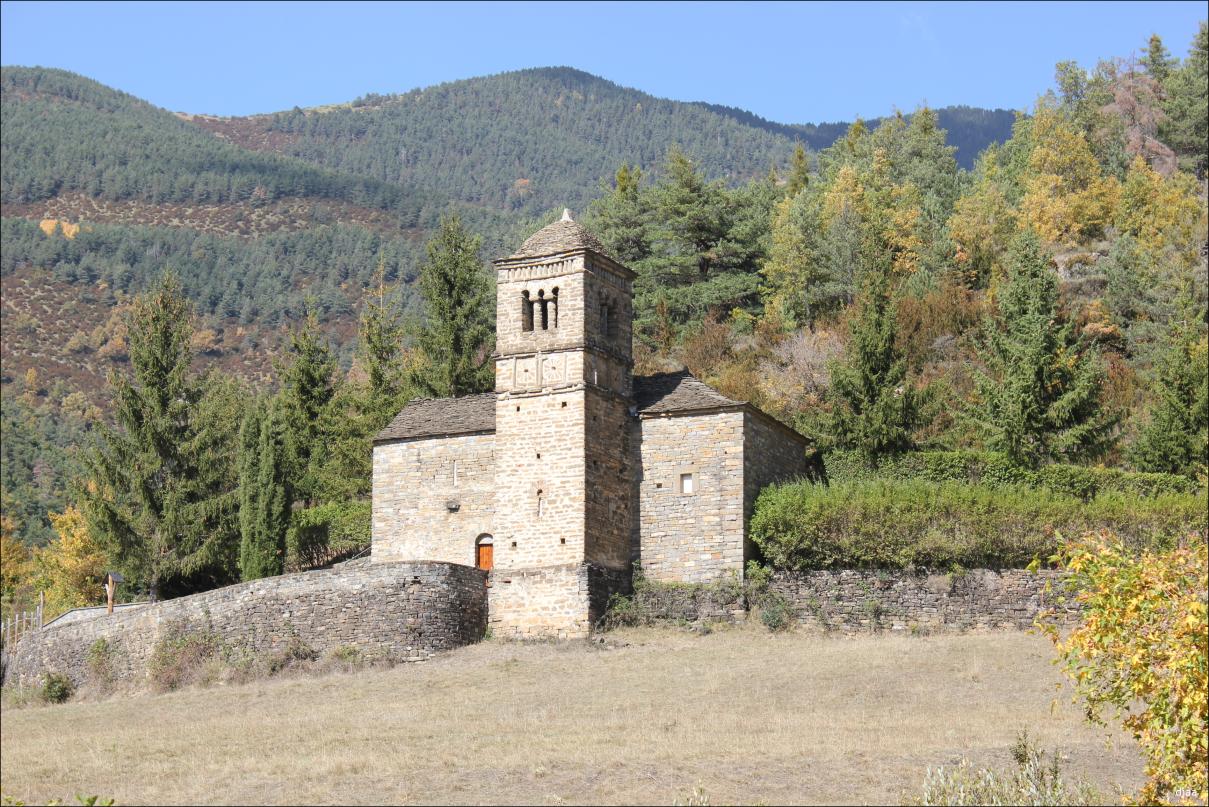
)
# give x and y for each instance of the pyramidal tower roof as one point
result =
(564, 235)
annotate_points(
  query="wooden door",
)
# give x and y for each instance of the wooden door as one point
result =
(484, 556)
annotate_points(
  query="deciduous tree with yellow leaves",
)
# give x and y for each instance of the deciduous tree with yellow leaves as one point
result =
(1142, 651)
(71, 568)
(1067, 199)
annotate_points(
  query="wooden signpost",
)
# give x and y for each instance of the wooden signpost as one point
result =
(111, 584)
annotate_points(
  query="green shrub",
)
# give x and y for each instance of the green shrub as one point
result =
(100, 661)
(657, 601)
(884, 524)
(347, 655)
(994, 469)
(180, 655)
(1035, 781)
(296, 653)
(57, 688)
(318, 533)
(776, 612)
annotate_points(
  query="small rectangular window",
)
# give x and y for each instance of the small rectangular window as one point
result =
(686, 483)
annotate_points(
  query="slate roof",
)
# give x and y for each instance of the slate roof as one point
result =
(565, 235)
(677, 392)
(661, 393)
(437, 417)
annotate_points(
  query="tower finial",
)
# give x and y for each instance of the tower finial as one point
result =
(567, 214)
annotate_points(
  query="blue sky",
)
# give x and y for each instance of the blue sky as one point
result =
(794, 63)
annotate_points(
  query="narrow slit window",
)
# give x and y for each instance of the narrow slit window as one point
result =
(526, 312)
(541, 504)
(604, 320)
(687, 484)
(455, 473)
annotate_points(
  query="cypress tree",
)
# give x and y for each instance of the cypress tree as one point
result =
(875, 408)
(456, 338)
(1041, 397)
(1176, 439)
(265, 496)
(161, 491)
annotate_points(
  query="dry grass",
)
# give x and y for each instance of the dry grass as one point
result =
(742, 714)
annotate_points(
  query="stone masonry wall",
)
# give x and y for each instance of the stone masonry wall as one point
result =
(551, 602)
(981, 599)
(771, 453)
(698, 536)
(405, 611)
(608, 466)
(414, 486)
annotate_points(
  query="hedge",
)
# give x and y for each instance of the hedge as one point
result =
(914, 523)
(994, 469)
(317, 534)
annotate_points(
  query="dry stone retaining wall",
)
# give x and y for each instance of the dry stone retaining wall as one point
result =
(977, 599)
(404, 611)
(860, 601)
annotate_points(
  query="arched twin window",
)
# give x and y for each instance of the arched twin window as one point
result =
(608, 319)
(540, 311)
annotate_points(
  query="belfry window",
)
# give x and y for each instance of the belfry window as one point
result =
(545, 309)
(526, 311)
(608, 320)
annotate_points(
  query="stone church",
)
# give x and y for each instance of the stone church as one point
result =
(574, 468)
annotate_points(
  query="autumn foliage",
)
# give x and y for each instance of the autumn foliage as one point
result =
(1142, 651)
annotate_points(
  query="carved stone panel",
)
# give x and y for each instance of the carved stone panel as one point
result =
(554, 369)
(504, 373)
(526, 372)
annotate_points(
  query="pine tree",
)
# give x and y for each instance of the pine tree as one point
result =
(693, 217)
(1041, 397)
(1176, 439)
(1157, 61)
(162, 492)
(620, 218)
(307, 388)
(1187, 106)
(265, 495)
(799, 172)
(381, 350)
(362, 407)
(455, 341)
(876, 409)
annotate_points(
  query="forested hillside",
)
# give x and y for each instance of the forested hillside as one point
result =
(535, 139)
(968, 129)
(64, 132)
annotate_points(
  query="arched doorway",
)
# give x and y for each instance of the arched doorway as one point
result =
(484, 547)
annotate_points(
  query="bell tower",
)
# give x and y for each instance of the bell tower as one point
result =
(563, 387)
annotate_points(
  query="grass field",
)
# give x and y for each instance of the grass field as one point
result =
(741, 714)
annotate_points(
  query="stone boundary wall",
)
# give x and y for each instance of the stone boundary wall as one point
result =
(867, 601)
(405, 611)
(977, 599)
